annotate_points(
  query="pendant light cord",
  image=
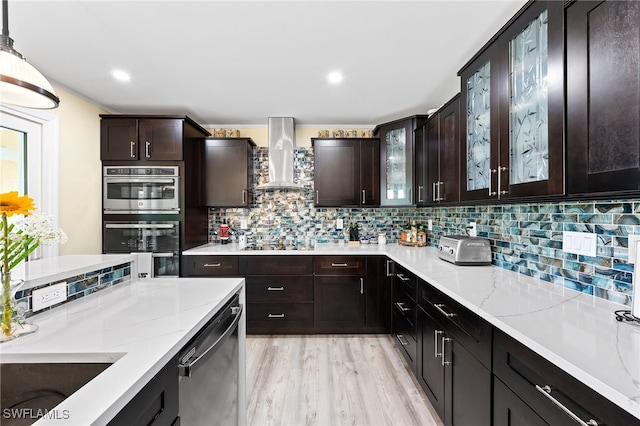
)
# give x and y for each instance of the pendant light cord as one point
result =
(5, 18)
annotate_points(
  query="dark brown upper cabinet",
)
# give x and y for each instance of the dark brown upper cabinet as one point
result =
(397, 160)
(346, 172)
(145, 138)
(512, 98)
(437, 158)
(603, 97)
(228, 169)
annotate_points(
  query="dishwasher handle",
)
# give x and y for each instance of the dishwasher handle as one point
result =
(186, 368)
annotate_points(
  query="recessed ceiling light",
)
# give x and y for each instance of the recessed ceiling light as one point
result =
(121, 75)
(335, 77)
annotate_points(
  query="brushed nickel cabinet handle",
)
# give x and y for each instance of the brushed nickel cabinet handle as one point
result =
(500, 170)
(420, 200)
(361, 285)
(244, 196)
(546, 391)
(364, 196)
(436, 334)
(402, 340)
(212, 265)
(275, 288)
(403, 278)
(276, 315)
(444, 340)
(341, 265)
(389, 265)
(492, 193)
(132, 152)
(317, 196)
(402, 307)
(440, 185)
(147, 149)
(439, 307)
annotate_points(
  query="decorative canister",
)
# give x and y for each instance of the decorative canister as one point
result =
(338, 133)
(382, 238)
(219, 133)
(233, 133)
(323, 133)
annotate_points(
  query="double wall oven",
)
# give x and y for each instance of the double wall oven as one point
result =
(140, 215)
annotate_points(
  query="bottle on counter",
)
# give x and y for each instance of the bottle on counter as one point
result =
(223, 232)
(382, 238)
(414, 232)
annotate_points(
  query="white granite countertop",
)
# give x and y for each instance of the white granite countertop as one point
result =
(139, 325)
(575, 331)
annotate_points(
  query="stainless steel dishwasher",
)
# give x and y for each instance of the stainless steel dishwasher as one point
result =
(209, 368)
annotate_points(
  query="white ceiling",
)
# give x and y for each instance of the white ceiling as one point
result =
(239, 62)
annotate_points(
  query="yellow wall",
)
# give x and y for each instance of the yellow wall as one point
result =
(80, 175)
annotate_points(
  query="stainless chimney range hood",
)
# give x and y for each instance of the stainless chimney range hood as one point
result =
(281, 149)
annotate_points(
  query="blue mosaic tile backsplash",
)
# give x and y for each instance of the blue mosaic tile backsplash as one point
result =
(526, 238)
(79, 286)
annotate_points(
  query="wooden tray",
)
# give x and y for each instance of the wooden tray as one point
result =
(416, 244)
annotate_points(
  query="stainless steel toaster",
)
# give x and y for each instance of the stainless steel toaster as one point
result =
(464, 250)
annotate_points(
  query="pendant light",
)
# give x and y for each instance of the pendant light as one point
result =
(20, 83)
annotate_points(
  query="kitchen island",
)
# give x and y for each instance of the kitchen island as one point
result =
(574, 331)
(139, 326)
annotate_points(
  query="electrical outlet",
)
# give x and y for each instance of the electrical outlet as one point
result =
(48, 296)
(430, 224)
(339, 224)
(584, 243)
(244, 224)
(472, 229)
(632, 244)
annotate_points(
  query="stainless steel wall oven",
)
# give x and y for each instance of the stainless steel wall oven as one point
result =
(141, 189)
(161, 239)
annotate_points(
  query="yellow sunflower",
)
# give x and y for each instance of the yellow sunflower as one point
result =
(11, 203)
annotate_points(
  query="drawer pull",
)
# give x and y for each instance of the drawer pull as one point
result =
(389, 268)
(402, 340)
(276, 315)
(341, 265)
(439, 307)
(546, 391)
(444, 340)
(402, 307)
(275, 288)
(212, 265)
(436, 334)
(403, 278)
(361, 285)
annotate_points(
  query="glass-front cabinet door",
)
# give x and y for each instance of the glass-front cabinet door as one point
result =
(534, 130)
(397, 146)
(512, 132)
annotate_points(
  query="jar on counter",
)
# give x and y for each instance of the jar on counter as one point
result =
(382, 238)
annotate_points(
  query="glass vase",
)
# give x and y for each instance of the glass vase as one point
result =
(12, 320)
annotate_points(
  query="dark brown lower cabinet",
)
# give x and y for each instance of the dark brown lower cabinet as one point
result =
(543, 388)
(156, 404)
(279, 292)
(454, 359)
(404, 315)
(339, 293)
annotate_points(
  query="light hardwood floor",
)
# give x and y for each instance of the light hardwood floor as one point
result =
(331, 380)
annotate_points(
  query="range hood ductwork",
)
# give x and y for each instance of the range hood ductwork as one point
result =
(281, 150)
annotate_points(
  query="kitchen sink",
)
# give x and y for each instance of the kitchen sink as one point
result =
(29, 390)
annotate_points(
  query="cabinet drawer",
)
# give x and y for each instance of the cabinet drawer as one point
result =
(405, 280)
(210, 266)
(279, 318)
(276, 265)
(279, 288)
(339, 265)
(404, 305)
(404, 335)
(471, 331)
(528, 375)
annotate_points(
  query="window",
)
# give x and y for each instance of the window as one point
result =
(29, 160)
